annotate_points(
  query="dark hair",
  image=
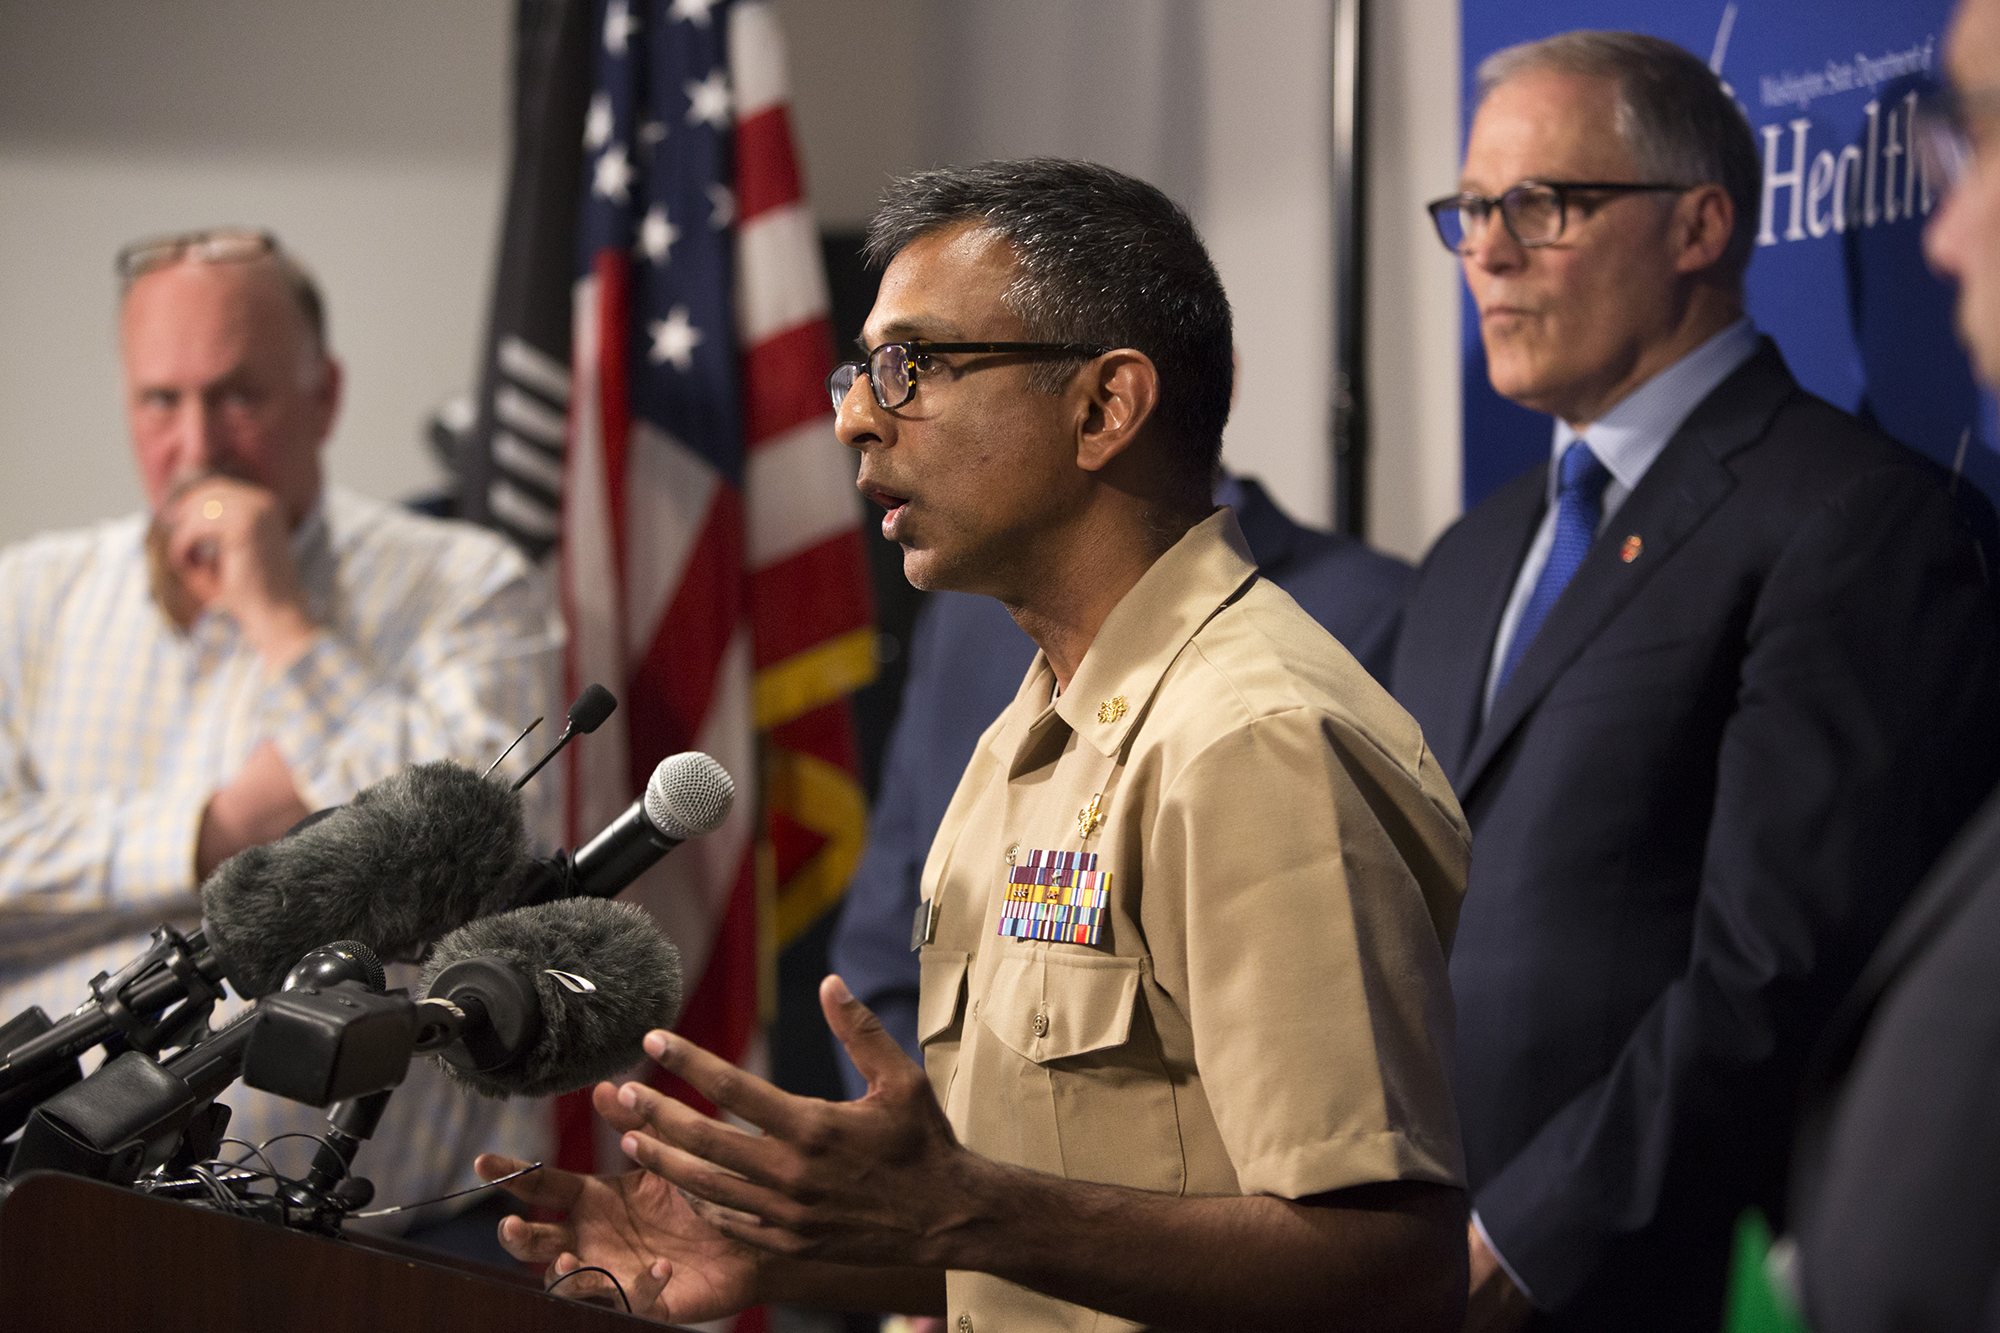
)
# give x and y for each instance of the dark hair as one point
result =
(1672, 113)
(1103, 259)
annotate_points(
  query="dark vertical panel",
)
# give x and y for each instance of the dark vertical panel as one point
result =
(1349, 380)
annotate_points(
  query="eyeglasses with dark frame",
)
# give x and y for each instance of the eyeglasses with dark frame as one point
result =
(1534, 212)
(211, 245)
(892, 368)
(1943, 132)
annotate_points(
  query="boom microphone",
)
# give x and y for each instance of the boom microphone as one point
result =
(534, 1001)
(602, 977)
(586, 715)
(419, 853)
(689, 794)
(413, 856)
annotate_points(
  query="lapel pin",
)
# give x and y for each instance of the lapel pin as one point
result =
(1630, 550)
(1092, 815)
(1111, 709)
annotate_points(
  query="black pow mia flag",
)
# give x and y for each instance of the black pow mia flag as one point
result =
(507, 452)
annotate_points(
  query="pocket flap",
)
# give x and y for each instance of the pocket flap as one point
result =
(942, 991)
(1049, 1006)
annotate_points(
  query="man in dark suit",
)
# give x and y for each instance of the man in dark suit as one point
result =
(967, 657)
(1896, 1195)
(1714, 689)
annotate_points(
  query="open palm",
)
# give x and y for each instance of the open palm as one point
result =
(636, 1226)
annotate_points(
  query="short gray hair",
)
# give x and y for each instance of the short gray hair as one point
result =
(1672, 114)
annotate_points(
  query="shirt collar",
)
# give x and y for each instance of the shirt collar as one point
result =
(1145, 632)
(1631, 435)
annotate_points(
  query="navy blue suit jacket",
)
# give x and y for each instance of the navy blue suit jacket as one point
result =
(967, 657)
(1714, 776)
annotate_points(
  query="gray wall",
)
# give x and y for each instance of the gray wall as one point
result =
(371, 135)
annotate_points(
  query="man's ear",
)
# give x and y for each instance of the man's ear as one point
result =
(326, 398)
(1704, 220)
(1121, 388)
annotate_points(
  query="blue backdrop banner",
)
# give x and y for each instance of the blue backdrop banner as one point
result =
(1838, 276)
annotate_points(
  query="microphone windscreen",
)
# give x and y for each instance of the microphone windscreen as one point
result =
(587, 714)
(419, 853)
(689, 795)
(603, 974)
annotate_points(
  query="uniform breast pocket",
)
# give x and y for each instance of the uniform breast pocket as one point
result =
(941, 1014)
(1078, 1021)
(940, 994)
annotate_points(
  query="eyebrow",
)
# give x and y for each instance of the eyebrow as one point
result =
(914, 330)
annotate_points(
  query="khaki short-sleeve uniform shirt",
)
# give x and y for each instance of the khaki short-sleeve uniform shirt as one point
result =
(1259, 1003)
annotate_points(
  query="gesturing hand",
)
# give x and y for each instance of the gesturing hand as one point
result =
(879, 1181)
(670, 1263)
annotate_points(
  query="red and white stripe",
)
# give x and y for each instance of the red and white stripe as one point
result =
(679, 589)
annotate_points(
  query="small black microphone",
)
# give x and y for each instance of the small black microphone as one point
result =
(177, 968)
(586, 715)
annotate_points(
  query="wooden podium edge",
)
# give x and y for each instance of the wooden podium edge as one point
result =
(81, 1255)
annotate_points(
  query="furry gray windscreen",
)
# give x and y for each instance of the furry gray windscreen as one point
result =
(604, 976)
(414, 856)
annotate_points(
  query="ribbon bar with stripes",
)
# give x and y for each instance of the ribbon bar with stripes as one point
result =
(1057, 896)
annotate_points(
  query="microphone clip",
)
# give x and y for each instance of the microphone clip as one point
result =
(187, 1021)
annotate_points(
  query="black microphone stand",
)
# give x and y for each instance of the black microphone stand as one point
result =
(348, 1125)
(124, 1011)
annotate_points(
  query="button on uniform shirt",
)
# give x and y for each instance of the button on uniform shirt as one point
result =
(1245, 991)
(116, 727)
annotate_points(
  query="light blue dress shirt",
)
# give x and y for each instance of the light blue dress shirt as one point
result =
(1626, 440)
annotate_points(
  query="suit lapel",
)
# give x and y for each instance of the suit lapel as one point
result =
(1683, 486)
(1478, 600)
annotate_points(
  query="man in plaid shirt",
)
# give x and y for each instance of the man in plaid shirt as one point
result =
(181, 684)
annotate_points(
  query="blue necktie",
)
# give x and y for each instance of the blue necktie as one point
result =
(1579, 507)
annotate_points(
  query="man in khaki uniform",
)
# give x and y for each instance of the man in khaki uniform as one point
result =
(1184, 1000)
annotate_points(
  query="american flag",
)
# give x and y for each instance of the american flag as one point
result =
(711, 562)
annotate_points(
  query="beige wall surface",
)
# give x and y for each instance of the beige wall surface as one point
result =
(1412, 286)
(371, 134)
